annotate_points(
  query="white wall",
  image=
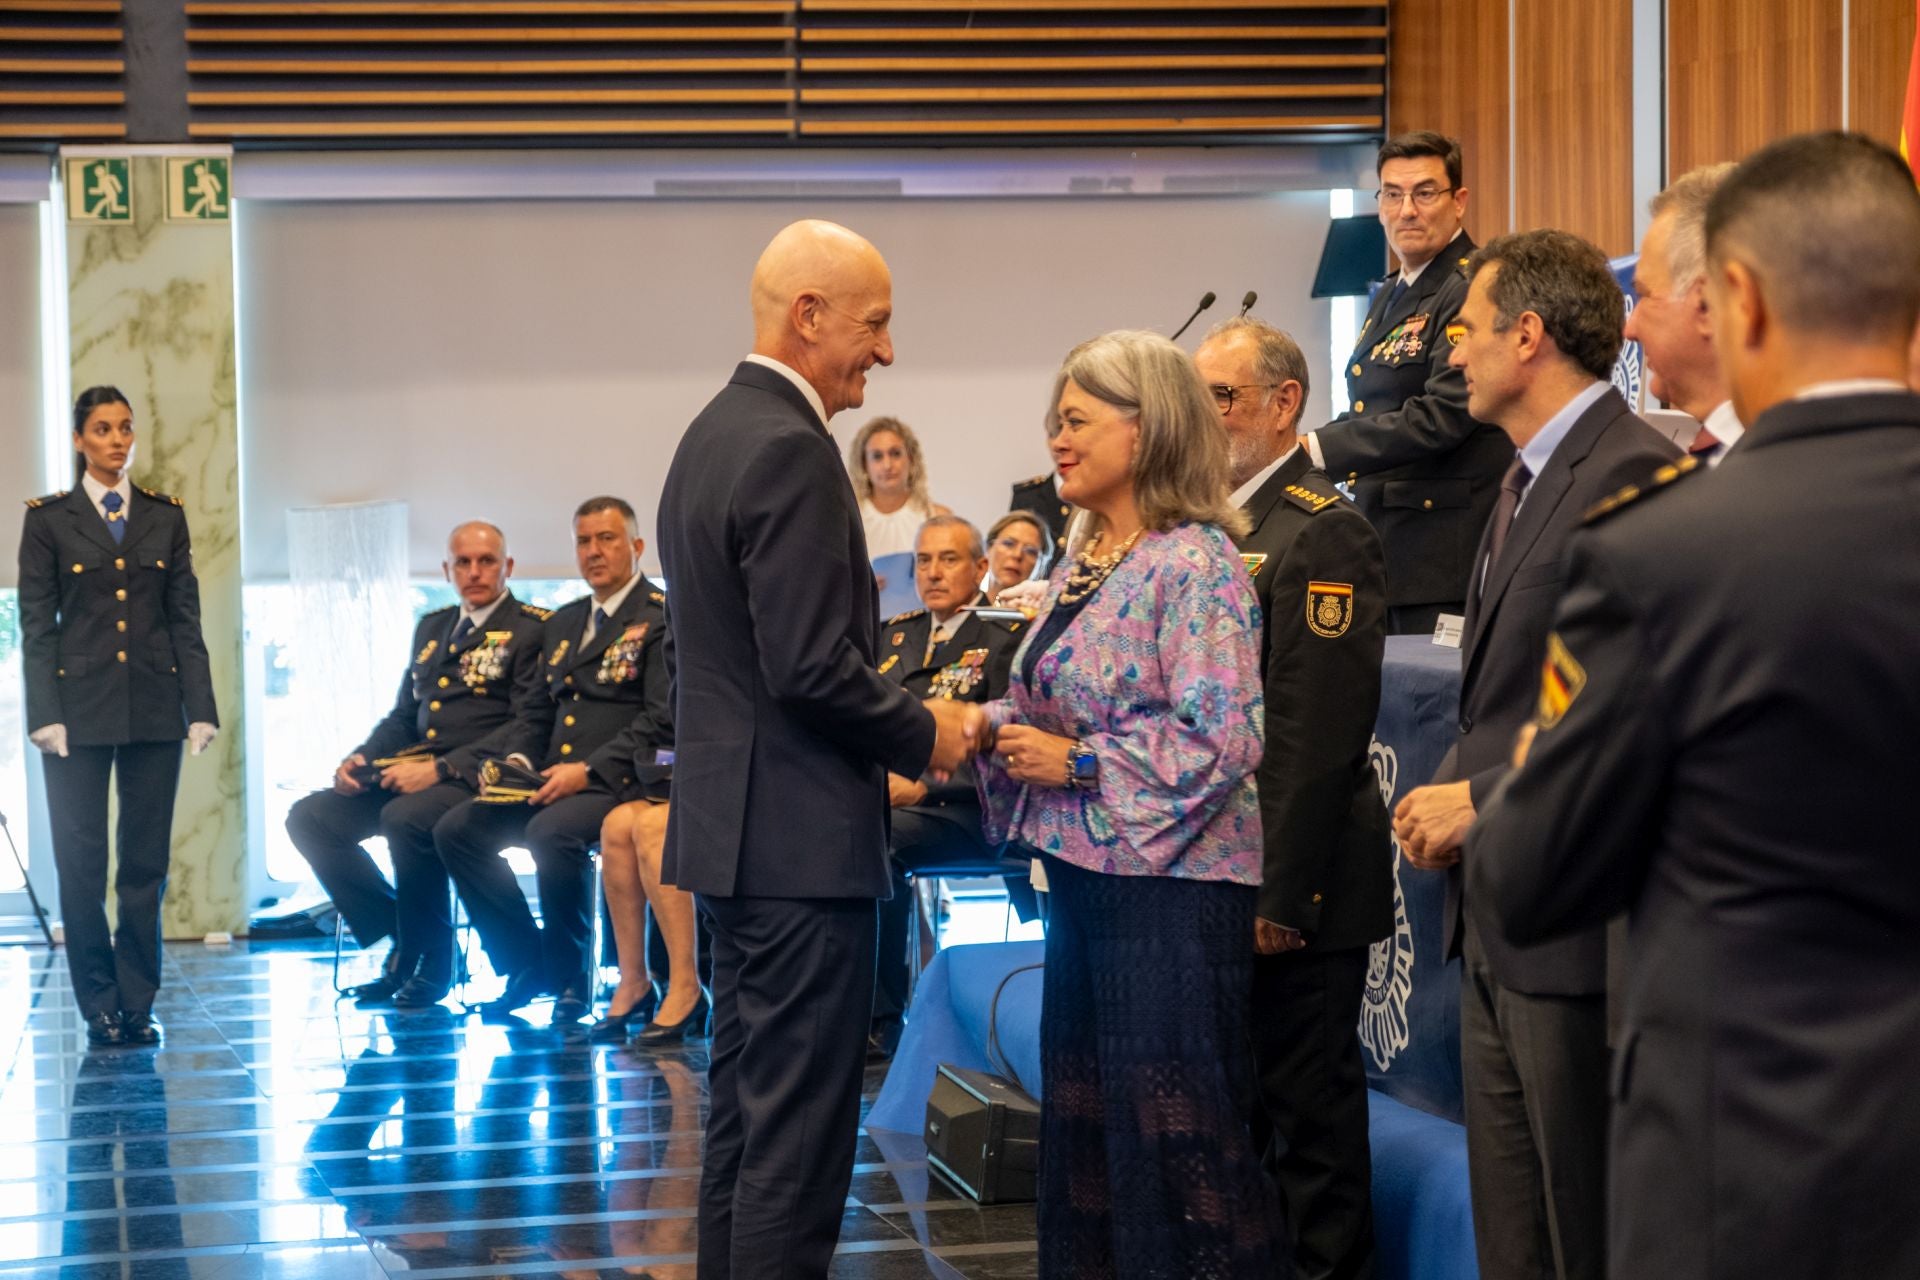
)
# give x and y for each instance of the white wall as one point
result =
(22, 407)
(504, 359)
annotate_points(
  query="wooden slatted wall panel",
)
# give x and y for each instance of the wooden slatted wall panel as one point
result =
(1234, 70)
(386, 72)
(62, 71)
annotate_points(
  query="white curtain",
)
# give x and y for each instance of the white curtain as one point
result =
(348, 566)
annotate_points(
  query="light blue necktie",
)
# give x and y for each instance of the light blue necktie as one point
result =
(116, 523)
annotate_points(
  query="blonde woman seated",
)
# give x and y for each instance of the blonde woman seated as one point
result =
(890, 479)
(632, 839)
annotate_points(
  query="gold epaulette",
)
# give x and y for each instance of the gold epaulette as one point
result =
(1311, 500)
(1045, 477)
(908, 616)
(51, 497)
(535, 611)
(656, 597)
(1634, 492)
(157, 496)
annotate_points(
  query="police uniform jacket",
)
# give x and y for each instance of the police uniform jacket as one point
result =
(1726, 715)
(596, 691)
(1419, 467)
(1037, 495)
(973, 664)
(1321, 582)
(454, 695)
(111, 632)
(1506, 634)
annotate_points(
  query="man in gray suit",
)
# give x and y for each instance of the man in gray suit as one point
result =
(1724, 749)
(1538, 335)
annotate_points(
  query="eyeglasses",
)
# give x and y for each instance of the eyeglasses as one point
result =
(1223, 394)
(1391, 198)
(1014, 544)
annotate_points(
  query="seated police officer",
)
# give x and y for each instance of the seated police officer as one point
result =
(941, 651)
(606, 675)
(476, 665)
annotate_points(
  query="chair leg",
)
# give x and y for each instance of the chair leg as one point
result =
(596, 972)
(339, 944)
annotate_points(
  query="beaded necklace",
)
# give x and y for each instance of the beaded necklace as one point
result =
(1090, 570)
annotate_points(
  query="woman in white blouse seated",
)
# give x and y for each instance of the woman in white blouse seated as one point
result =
(890, 479)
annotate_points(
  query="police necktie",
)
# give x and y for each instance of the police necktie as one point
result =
(1513, 486)
(462, 629)
(1394, 295)
(599, 621)
(116, 522)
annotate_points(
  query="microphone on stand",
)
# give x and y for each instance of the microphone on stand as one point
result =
(1206, 300)
(1246, 303)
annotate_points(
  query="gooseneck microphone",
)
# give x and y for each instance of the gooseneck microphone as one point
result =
(1206, 300)
(1246, 303)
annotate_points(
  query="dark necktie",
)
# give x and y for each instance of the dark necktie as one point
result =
(599, 619)
(462, 629)
(1512, 486)
(1394, 295)
(116, 523)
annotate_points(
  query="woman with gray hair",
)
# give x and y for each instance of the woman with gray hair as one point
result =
(1123, 759)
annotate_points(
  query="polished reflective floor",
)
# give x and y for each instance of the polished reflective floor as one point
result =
(281, 1133)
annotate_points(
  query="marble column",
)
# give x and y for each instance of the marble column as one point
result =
(150, 306)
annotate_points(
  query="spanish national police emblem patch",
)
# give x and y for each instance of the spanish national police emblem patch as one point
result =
(1561, 680)
(1329, 608)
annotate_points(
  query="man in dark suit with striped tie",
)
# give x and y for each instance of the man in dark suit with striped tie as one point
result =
(1670, 319)
(1539, 333)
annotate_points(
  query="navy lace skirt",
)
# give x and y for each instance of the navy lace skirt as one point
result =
(1147, 1169)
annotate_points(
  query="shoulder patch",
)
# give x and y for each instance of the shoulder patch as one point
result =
(908, 616)
(157, 496)
(534, 611)
(51, 497)
(1313, 499)
(1660, 479)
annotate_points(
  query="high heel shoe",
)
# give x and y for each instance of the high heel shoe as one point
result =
(656, 1035)
(616, 1027)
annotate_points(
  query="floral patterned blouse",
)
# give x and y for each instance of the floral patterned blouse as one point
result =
(1159, 675)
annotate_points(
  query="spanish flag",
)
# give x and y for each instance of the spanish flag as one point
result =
(1910, 116)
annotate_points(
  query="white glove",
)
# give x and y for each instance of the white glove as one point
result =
(199, 735)
(51, 739)
(1025, 596)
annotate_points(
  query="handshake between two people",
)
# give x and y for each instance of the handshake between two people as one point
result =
(1029, 755)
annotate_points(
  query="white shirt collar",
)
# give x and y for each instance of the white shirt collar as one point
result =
(1724, 425)
(1410, 274)
(96, 491)
(478, 617)
(1848, 387)
(611, 604)
(1244, 494)
(793, 376)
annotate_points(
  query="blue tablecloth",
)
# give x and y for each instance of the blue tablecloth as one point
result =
(1410, 1022)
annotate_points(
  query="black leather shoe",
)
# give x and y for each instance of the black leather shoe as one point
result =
(420, 992)
(381, 989)
(569, 1006)
(523, 988)
(140, 1028)
(654, 1034)
(104, 1029)
(616, 1027)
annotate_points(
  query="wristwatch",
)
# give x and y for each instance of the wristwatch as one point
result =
(1083, 768)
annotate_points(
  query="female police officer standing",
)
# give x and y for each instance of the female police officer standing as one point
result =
(116, 675)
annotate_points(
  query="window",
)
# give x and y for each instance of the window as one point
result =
(291, 763)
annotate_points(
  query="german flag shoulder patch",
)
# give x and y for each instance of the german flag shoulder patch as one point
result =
(1561, 680)
(1626, 497)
